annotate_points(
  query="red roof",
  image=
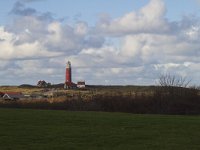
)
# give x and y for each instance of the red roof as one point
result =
(1, 94)
(13, 93)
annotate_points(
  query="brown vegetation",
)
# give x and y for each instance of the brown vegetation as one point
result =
(154, 100)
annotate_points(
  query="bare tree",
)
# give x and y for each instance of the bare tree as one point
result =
(168, 80)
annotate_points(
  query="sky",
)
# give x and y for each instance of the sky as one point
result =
(113, 42)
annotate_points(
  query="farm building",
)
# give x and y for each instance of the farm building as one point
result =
(13, 96)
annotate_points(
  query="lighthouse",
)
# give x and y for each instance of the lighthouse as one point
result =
(68, 76)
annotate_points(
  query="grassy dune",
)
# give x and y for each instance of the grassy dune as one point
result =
(19, 89)
(22, 129)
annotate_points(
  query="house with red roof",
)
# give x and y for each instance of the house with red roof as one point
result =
(13, 96)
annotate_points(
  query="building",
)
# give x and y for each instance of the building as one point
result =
(13, 96)
(81, 84)
(68, 74)
(68, 77)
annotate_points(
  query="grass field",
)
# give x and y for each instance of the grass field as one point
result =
(22, 129)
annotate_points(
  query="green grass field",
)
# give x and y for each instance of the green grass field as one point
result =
(22, 129)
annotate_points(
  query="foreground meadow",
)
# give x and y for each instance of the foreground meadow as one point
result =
(23, 129)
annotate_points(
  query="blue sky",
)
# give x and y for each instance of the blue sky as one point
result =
(90, 10)
(108, 42)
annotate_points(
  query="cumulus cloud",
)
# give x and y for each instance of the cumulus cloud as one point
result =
(26, 50)
(132, 49)
(149, 19)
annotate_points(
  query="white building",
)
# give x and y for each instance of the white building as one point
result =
(81, 84)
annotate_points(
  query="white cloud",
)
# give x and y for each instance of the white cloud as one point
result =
(81, 28)
(148, 19)
(193, 33)
(9, 50)
(55, 32)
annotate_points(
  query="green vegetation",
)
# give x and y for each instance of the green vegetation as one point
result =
(22, 129)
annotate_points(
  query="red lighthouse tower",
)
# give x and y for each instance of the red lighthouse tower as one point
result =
(68, 77)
